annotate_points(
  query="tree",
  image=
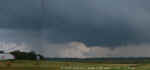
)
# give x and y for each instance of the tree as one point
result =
(25, 55)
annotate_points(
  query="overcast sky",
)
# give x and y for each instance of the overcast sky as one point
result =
(104, 24)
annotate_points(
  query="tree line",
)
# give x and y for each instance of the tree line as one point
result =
(20, 55)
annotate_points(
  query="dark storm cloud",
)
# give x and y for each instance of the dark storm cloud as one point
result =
(96, 22)
(76, 28)
(20, 22)
(102, 35)
(19, 14)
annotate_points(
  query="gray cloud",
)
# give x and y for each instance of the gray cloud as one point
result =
(98, 22)
(80, 50)
(102, 23)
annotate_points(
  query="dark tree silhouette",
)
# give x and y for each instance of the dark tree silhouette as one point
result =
(19, 55)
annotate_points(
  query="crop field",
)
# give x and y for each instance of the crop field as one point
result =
(53, 65)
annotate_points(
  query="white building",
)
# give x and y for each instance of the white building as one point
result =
(6, 56)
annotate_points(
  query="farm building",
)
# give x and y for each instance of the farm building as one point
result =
(6, 56)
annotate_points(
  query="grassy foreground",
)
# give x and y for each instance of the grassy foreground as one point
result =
(52, 65)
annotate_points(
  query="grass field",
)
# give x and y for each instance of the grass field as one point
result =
(52, 65)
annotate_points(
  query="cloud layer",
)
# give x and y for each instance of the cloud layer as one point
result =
(80, 50)
(77, 28)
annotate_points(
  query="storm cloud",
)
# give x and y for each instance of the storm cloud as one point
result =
(98, 22)
(103, 23)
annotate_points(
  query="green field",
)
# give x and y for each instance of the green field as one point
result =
(52, 65)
